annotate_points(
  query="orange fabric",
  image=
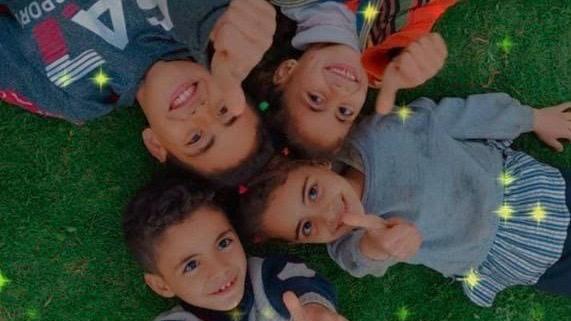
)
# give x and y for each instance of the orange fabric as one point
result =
(420, 21)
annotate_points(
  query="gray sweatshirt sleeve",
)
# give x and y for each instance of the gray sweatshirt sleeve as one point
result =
(486, 116)
(327, 22)
(346, 252)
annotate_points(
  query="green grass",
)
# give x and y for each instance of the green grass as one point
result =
(62, 189)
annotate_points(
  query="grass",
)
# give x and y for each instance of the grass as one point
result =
(62, 189)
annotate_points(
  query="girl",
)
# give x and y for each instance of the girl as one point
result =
(441, 188)
(347, 46)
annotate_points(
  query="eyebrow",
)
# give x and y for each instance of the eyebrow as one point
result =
(231, 121)
(222, 234)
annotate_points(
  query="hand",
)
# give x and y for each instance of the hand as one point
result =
(383, 239)
(553, 123)
(419, 62)
(240, 38)
(308, 312)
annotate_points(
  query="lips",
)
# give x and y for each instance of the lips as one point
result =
(226, 287)
(184, 95)
(344, 71)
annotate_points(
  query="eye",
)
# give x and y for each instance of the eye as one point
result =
(315, 99)
(313, 192)
(306, 228)
(195, 138)
(190, 266)
(225, 243)
(345, 112)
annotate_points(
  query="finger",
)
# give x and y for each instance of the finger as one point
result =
(409, 69)
(364, 221)
(439, 44)
(555, 144)
(228, 84)
(294, 306)
(387, 94)
(395, 220)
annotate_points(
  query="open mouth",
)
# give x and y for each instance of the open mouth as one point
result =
(344, 71)
(226, 287)
(184, 95)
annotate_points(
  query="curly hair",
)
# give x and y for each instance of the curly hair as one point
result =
(165, 202)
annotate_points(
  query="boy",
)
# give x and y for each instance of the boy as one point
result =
(188, 250)
(75, 60)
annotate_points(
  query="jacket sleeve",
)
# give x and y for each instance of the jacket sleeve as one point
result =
(321, 22)
(282, 274)
(347, 254)
(487, 116)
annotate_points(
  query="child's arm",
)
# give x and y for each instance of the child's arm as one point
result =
(308, 312)
(418, 63)
(240, 38)
(499, 116)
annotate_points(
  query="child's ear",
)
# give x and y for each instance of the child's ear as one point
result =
(154, 146)
(157, 284)
(284, 71)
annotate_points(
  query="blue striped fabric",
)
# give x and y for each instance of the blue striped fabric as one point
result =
(524, 248)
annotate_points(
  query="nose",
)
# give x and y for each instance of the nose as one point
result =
(218, 268)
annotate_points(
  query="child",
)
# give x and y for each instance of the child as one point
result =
(324, 89)
(76, 60)
(189, 251)
(441, 188)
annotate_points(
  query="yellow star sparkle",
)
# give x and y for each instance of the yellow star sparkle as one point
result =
(472, 279)
(506, 178)
(402, 313)
(101, 79)
(236, 314)
(506, 45)
(370, 13)
(65, 80)
(3, 281)
(505, 212)
(538, 213)
(404, 113)
(268, 313)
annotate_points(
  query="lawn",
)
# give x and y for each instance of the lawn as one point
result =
(63, 187)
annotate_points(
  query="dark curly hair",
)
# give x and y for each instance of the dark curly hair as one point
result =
(166, 201)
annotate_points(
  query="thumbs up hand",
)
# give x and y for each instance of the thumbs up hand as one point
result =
(391, 238)
(308, 312)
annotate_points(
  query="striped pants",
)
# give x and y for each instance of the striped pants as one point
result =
(557, 279)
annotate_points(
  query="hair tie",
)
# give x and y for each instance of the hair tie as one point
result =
(242, 189)
(264, 106)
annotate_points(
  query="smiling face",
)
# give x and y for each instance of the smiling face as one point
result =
(201, 261)
(324, 91)
(188, 118)
(309, 207)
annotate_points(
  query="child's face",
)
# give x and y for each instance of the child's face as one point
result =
(309, 207)
(324, 92)
(201, 261)
(189, 119)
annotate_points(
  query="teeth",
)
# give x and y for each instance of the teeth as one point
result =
(184, 96)
(226, 286)
(343, 73)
